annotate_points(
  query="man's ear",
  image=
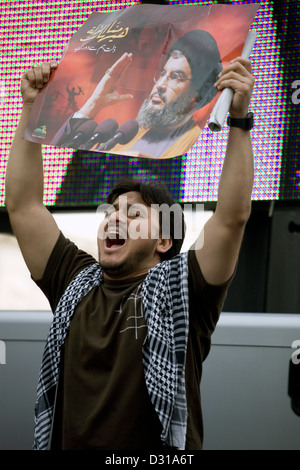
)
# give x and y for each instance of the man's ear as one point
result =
(164, 244)
(194, 101)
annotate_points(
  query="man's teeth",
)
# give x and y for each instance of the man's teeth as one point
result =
(113, 234)
(114, 238)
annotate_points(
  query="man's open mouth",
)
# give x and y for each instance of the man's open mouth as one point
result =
(114, 239)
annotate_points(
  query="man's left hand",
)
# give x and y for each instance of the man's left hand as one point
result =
(237, 76)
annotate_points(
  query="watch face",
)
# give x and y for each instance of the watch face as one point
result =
(249, 121)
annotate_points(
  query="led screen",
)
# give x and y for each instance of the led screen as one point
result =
(33, 31)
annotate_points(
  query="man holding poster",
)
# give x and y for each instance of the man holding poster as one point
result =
(123, 360)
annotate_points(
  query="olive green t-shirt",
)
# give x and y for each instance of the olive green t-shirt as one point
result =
(102, 401)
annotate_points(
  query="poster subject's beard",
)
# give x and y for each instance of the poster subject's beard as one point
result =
(170, 115)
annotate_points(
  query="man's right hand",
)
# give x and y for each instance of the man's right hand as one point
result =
(106, 92)
(34, 79)
(32, 223)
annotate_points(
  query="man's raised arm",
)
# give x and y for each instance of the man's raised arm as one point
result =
(32, 223)
(223, 232)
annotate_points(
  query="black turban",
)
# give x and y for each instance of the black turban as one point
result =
(202, 53)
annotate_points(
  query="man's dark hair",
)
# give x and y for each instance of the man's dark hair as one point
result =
(200, 49)
(153, 192)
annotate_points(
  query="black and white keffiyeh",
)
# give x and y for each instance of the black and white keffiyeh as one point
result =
(165, 305)
(48, 378)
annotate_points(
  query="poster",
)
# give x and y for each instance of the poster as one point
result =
(139, 81)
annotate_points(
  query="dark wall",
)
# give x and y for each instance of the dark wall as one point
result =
(268, 273)
(247, 292)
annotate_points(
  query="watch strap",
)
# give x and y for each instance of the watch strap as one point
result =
(243, 123)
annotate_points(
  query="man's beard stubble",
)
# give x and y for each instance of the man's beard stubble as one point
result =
(127, 267)
(171, 114)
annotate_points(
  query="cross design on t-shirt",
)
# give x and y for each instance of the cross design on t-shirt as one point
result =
(137, 309)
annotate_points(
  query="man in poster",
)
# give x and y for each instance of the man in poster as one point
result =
(164, 125)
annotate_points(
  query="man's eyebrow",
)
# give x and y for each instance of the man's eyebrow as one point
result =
(129, 204)
(176, 70)
(180, 71)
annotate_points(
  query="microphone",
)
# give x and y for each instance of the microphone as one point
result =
(104, 131)
(83, 132)
(124, 134)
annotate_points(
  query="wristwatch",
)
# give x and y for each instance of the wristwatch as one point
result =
(243, 123)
